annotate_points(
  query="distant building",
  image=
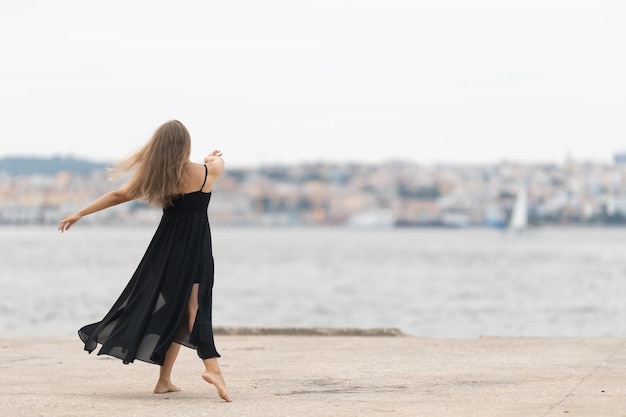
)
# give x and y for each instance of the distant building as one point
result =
(619, 158)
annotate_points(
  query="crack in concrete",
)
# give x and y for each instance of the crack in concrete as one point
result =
(585, 378)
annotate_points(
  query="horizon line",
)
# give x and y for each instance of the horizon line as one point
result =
(502, 160)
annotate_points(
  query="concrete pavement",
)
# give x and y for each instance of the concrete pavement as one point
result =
(296, 373)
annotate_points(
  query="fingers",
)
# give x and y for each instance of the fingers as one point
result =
(211, 156)
(65, 224)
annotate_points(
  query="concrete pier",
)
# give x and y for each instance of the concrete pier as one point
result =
(321, 374)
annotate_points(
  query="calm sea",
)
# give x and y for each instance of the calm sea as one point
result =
(441, 283)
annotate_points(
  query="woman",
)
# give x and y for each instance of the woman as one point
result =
(167, 302)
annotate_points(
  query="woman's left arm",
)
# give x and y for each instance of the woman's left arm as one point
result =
(214, 163)
(109, 199)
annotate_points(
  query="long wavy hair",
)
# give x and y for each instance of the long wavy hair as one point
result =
(159, 166)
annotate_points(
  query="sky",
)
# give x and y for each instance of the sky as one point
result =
(290, 81)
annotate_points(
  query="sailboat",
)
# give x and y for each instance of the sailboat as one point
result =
(519, 218)
(382, 218)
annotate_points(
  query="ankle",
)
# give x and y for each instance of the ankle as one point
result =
(212, 366)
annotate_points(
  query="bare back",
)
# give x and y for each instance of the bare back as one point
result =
(199, 177)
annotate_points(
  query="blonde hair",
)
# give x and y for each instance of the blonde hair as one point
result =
(159, 166)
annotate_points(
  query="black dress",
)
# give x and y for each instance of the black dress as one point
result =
(151, 312)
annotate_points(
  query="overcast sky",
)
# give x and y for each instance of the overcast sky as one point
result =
(317, 80)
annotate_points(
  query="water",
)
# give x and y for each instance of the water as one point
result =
(440, 283)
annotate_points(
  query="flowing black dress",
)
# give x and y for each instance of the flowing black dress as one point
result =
(151, 312)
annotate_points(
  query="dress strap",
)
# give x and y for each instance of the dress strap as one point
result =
(206, 173)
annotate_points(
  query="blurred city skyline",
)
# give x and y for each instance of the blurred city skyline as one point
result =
(385, 195)
(430, 81)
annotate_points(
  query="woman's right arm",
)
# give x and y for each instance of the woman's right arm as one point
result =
(109, 199)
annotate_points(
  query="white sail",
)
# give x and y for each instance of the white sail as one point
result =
(373, 218)
(519, 219)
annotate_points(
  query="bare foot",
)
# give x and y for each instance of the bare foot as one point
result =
(165, 387)
(218, 381)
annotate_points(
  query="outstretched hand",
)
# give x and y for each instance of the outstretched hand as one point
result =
(68, 221)
(212, 156)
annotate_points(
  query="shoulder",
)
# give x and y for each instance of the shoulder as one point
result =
(192, 178)
(210, 168)
(215, 167)
(195, 170)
